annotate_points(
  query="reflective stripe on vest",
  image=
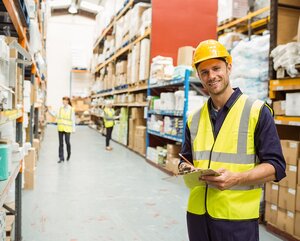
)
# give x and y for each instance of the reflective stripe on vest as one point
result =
(109, 117)
(64, 120)
(234, 150)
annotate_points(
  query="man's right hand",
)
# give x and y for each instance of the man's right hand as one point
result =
(185, 167)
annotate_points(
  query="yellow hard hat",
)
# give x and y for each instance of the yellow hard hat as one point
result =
(210, 49)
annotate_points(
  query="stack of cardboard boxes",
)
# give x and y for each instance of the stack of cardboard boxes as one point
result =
(283, 198)
(140, 139)
(29, 171)
(81, 107)
(136, 119)
(121, 73)
(172, 158)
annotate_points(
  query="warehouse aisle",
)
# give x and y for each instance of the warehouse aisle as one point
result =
(102, 195)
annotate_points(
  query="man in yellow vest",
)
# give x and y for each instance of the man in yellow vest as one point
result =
(109, 122)
(236, 136)
(65, 126)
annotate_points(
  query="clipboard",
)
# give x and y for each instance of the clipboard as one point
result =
(192, 179)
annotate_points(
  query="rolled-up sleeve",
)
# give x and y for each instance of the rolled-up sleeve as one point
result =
(267, 143)
(186, 148)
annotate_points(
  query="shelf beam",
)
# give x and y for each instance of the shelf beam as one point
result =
(124, 50)
(243, 19)
(13, 13)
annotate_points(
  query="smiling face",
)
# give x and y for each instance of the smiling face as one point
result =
(214, 75)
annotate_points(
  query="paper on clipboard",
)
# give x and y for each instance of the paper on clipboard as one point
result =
(192, 179)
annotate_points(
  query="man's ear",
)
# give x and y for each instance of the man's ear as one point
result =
(229, 68)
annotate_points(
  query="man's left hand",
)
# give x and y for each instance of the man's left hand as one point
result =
(225, 181)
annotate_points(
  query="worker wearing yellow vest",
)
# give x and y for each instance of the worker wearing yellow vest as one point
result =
(65, 126)
(236, 136)
(109, 122)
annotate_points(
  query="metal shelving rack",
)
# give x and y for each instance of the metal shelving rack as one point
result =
(277, 87)
(119, 54)
(17, 115)
(155, 137)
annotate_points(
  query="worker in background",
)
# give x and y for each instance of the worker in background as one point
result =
(236, 136)
(109, 122)
(65, 125)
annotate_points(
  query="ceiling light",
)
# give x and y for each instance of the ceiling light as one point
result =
(90, 7)
(73, 8)
(58, 4)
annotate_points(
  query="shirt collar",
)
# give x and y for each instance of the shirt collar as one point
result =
(235, 95)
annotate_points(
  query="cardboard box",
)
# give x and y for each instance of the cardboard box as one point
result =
(298, 198)
(291, 177)
(271, 192)
(229, 9)
(287, 17)
(271, 213)
(29, 179)
(298, 181)
(36, 145)
(141, 97)
(185, 56)
(131, 133)
(290, 151)
(287, 198)
(140, 131)
(137, 113)
(286, 221)
(279, 107)
(121, 67)
(135, 62)
(292, 104)
(175, 149)
(297, 221)
(172, 165)
(30, 160)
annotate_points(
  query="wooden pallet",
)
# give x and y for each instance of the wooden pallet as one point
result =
(282, 74)
(137, 84)
(228, 20)
(288, 237)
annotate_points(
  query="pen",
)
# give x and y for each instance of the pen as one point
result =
(186, 160)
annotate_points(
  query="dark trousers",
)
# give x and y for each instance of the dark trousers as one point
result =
(108, 135)
(61, 135)
(205, 228)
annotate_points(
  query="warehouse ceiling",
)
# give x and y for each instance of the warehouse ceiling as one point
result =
(87, 8)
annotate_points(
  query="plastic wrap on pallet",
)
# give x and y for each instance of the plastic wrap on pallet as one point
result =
(31, 7)
(230, 40)
(251, 66)
(35, 43)
(287, 56)
(136, 18)
(161, 69)
(119, 33)
(259, 4)
(228, 9)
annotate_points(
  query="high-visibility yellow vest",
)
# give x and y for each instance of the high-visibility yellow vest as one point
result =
(64, 120)
(109, 114)
(234, 150)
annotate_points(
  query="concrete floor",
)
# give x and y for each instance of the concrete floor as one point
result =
(102, 195)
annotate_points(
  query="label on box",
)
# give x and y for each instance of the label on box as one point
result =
(274, 207)
(274, 187)
(290, 214)
(292, 191)
(293, 168)
(293, 144)
(279, 88)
